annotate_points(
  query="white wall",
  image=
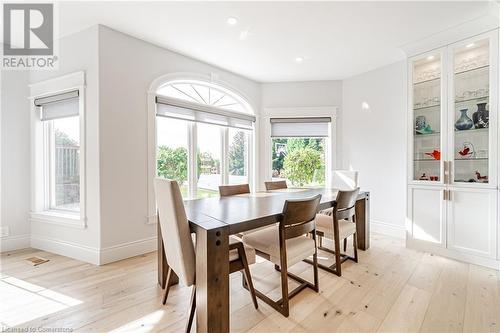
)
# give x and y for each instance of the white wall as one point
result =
(374, 141)
(78, 52)
(15, 159)
(127, 67)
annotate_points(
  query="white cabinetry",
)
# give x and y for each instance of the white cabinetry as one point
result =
(453, 150)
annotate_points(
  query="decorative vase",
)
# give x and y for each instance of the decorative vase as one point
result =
(481, 117)
(464, 122)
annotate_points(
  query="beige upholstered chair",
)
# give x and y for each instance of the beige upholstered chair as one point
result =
(338, 226)
(287, 244)
(179, 247)
(276, 185)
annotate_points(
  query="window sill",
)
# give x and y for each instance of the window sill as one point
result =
(73, 220)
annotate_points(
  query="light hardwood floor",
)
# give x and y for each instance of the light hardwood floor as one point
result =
(392, 289)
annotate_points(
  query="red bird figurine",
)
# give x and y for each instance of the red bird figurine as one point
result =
(465, 151)
(436, 154)
(481, 178)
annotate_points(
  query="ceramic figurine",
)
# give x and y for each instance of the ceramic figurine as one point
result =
(482, 179)
(424, 177)
(464, 122)
(436, 154)
(481, 117)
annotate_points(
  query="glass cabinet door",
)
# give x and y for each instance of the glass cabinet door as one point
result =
(426, 98)
(471, 88)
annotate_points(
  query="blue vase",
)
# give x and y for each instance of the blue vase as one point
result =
(464, 122)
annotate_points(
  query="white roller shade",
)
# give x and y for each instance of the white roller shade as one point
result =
(300, 127)
(167, 107)
(59, 106)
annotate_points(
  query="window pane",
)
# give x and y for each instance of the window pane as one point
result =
(300, 161)
(65, 169)
(172, 151)
(208, 160)
(238, 156)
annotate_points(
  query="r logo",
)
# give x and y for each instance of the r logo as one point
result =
(28, 29)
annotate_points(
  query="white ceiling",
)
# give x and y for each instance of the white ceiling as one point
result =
(337, 39)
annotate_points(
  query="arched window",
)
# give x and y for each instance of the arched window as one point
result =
(204, 135)
(205, 94)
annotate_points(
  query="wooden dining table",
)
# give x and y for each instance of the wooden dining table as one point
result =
(215, 219)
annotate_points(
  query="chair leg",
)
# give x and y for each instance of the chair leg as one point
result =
(167, 285)
(246, 275)
(355, 245)
(284, 290)
(192, 309)
(315, 265)
(338, 260)
(345, 245)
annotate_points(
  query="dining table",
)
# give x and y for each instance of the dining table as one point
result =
(214, 219)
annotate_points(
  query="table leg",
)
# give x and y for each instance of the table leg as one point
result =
(162, 262)
(212, 280)
(363, 222)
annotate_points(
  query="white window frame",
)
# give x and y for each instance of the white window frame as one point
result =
(40, 204)
(192, 138)
(299, 112)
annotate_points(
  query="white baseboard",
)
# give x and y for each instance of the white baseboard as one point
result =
(127, 250)
(456, 255)
(16, 242)
(388, 229)
(67, 249)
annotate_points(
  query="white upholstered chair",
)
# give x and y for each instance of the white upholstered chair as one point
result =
(287, 244)
(179, 247)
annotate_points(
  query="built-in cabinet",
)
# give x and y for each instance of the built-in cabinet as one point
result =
(453, 150)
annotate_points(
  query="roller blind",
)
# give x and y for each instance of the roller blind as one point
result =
(300, 127)
(59, 106)
(166, 107)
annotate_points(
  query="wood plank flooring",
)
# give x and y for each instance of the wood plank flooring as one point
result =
(391, 289)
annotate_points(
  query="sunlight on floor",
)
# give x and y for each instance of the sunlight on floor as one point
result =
(144, 324)
(35, 300)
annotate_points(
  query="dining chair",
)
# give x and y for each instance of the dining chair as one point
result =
(179, 248)
(341, 180)
(227, 190)
(287, 244)
(275, 185)
(340, 225)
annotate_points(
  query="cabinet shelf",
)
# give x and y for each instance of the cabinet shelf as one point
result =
(472, 159)
(427, 134)
(471, 99)
(427, 81)
(425, 160)
(473, 130)
(426, 107)
(472, 69)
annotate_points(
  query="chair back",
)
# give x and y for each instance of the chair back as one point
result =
(344, 179)
(278, 185)
(227, 190)
(175, 232)
(345, 204)
(298, 216)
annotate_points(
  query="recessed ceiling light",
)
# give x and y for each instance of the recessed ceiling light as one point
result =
(430, 57)
(469, 45)
(232, 20)
(299, 59)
